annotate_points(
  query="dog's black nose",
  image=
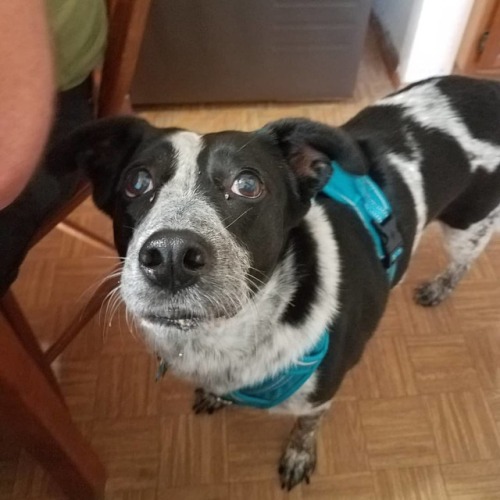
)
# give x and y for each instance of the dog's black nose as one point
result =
(175, 259)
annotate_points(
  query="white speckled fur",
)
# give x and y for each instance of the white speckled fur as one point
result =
(188, 146)
(464, 246)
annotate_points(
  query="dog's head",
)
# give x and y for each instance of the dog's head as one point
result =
(203, 220)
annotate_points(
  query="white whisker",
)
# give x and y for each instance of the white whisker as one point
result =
(239, 217)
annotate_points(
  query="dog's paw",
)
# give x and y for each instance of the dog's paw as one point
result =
(296, 465)
(432, 293)
(206, 402)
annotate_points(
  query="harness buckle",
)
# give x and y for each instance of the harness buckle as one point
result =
(391, 240)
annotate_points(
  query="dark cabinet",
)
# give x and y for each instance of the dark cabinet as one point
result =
(250, 50)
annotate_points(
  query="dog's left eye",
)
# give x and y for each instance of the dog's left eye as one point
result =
(247, 185)
(138, 182)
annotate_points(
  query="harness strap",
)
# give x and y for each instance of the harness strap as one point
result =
(369, 202)
(274, 390)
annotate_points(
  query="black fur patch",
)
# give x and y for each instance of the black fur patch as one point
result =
(306, 272)
(467, 96)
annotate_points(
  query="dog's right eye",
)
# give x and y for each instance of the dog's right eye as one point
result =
(247, 185)
(138, 182)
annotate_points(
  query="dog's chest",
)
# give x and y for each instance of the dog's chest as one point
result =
(257, 343)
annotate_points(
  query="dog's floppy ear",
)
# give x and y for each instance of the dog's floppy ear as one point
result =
(310, 147)
(102, 149)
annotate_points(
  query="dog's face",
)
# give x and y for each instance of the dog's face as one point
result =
(203, 220)
(209, 217)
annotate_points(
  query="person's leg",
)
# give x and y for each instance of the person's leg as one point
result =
(51, 186)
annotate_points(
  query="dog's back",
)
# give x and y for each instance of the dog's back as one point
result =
(441, 138)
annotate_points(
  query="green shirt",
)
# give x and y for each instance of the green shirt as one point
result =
(79, 30)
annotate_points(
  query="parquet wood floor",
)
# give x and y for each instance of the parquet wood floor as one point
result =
(419, 418)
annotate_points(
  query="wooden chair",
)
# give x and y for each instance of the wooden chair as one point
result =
(31, 404)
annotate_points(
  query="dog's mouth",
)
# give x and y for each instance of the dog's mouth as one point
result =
(175, 321)
(181, 321)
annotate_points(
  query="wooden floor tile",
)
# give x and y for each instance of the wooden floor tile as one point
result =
(427, 321)
(415, 483)
(8, 470)
(88, 345)
(341, 442)
(347, 389)
(263, 490)
(364, 375)
(385, 370)
(206, 492)
(475, 306)
(255, 442)
(193, 450)
(429, 258)
(343, 487)
(131, 387)
(176, 396)
(109, 387)
(441, 364)
(32, 482)
(118, 339)
(484, 347)
(10, 453)
(78, 380)
(147, 494)
(398, 433)
(130, 450)
(463, 427)
(473, 480)
(493, 400)
(393, 323)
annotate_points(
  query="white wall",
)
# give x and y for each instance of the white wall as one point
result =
(433, 38)
(426, 34)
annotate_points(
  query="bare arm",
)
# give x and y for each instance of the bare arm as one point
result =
(27, 91)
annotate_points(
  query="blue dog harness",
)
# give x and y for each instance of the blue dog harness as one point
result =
(274, 390)
(369, 202)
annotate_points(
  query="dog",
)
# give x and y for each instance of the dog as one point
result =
(239, 266)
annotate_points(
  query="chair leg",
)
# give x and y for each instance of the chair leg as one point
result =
(83, 317)
(35, 415)
(12, 312)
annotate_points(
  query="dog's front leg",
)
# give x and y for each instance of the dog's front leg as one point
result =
(299, 458)
(207, 402)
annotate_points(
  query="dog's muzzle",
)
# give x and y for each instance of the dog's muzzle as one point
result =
(175, 259)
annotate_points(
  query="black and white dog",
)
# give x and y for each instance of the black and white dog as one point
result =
(235, 263)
